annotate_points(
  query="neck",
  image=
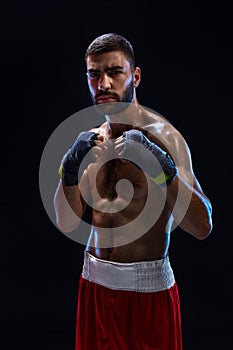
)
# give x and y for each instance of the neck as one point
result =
(124, 120)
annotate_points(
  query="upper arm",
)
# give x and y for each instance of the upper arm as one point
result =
(172, 141)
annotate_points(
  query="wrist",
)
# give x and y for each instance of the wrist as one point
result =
(68, 178)
(164, 179)
(169, 169)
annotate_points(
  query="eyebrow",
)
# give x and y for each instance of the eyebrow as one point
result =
(108, 68)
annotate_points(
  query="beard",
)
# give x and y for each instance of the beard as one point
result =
(128, 93)
(120, 104)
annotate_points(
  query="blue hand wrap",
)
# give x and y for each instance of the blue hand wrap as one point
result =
(72, 160)
(144, 157)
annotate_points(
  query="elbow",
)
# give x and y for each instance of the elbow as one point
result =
(66, 220)
(63, 228)
(66, 227)
(204, 231)
(205, 225)
(200, 230)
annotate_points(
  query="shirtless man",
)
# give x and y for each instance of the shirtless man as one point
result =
(128, 296)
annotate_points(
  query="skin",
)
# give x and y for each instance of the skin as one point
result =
(111, 79)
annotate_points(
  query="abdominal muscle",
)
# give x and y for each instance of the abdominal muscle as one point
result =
(117, 232)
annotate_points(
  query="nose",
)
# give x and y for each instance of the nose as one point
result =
(104, 82)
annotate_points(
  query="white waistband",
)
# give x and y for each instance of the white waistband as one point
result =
(143, 276)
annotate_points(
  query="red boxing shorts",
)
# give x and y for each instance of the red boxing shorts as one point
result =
(133, 306)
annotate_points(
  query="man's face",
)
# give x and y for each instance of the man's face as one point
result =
(110, 78)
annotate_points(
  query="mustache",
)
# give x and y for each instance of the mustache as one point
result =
(106, 93)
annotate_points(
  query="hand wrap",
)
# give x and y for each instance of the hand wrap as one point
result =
(72, 160)
(144, 157)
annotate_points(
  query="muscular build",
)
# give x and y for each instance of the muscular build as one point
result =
(157, 238)
(135, 172)
(114, 202)
(107, 201)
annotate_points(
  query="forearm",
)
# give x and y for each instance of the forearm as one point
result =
(68, 203)
(191, 209)
(68, 207)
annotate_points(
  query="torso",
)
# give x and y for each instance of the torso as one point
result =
(117, 203)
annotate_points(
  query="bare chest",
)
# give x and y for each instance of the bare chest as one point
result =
(116, 179)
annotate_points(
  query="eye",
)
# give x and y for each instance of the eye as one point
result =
(114, 73)
(93, 75)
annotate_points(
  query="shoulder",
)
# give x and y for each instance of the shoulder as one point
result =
(161, 131)
(160, 128)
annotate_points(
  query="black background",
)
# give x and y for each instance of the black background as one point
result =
(185, 53)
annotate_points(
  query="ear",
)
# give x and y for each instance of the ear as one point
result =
(137, 77)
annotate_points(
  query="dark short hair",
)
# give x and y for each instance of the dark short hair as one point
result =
(111, 42)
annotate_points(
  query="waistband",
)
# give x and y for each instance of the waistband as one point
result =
(143, 276)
